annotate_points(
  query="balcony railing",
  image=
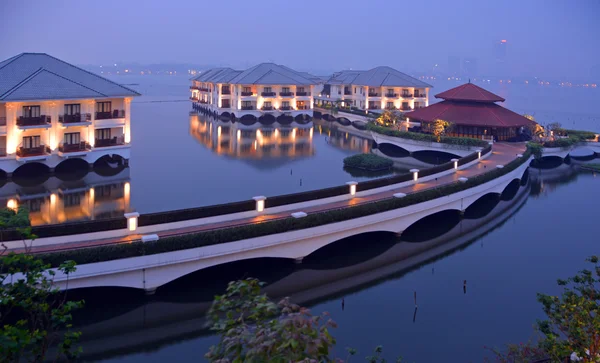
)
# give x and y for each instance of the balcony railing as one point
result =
(194, 88)
(420, 95)
(299, 94)
(194, 99)
(302, 107)
(78, 117)
(2, 121)
(285, 108)
(225, 91)
(2, 151)
(374, 94)
(203, 89)
(405, 108)
(69, 148)
(268, 94)
(391, 95)
(33, 121)
(225, 105)
(247, 107)
(108, 115)
(406, 95)
(120, 140)
(245, 93)
(33, 151)
(347, 92)
(267, 108)
(390, 107)
(374, 107)
(286, 94)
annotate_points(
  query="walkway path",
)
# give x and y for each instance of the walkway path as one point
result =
(502, 154)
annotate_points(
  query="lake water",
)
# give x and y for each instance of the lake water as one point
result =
(506, 255)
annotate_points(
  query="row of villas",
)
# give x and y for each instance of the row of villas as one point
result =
(266, 89)
(51, 111)
(269, 89)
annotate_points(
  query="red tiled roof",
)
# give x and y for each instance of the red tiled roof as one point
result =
(469, 92)
(470, 114)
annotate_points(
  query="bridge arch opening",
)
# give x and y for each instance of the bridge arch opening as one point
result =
(359, 125)
(285, 119)
(202, 285)
(343, 121)
(95, 298)
(3, 175)
(31, 174)
(267, 119)
(511, 190)
(225, 116)
(392, 150)
(109, 165)
(525, 177)
(72, 169)
(434, 157)
(547, 162)
(432, 226)
(350, 251)
(482, 206)
(248, 120)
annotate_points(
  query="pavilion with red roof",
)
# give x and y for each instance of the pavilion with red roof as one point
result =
(474, 113)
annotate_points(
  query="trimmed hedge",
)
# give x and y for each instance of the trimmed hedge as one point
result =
(417, 136)
(305, 196)
(194, 213)
(370, 162)
(218, 236)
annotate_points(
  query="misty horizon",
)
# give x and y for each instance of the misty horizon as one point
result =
(540, 38)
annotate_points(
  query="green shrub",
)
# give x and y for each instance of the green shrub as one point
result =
(417, 136)
(218, 236)
(370, 162)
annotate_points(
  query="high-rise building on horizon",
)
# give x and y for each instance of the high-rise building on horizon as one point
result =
(500, 50)
(469, 66)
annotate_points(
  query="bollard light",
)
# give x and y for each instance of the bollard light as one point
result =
(299, 215)
(479, 154)
(399, 195)
(415, 174)
(455, 161)
(499, 166)
(463, 179)
(352, 185)
(150, 238)
(260, 203)
(132, 219)
(519, 155)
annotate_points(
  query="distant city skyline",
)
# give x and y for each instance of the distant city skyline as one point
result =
(543, 38)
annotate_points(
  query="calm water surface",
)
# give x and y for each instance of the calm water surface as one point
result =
(506, 253)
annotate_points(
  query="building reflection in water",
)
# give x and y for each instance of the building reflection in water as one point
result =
(344, 140)
(255, 141)
(60, 201)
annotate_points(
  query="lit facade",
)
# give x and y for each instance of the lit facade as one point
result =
(381, 88)
(266, 89)
(51, 111)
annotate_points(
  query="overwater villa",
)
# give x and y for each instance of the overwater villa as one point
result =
(267, 90)
(380, 88)
(51, 111)
(473, 112)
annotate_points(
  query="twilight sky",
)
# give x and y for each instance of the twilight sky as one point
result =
(545, 37)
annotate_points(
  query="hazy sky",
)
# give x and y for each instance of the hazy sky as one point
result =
(545, 37)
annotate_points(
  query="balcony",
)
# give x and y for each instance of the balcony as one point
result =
(390, 108)
(76, 118)
(110, 115)
(268, 94)
(391, 95)
(347, 92)
(406, 108)
(34, 121)
(267, 108)
(285, 108)
(302, 107)
(203, 89)
(194, 88)
(286, 94)
(406, 95)
(2, 152)
(301, 94)
(374, 94)
(225, 91)
(2, 121)
(73, 148)
(115, 141)
(195, 99)
(420, 95)
(42, 150)
(246, 94)
(247, 108)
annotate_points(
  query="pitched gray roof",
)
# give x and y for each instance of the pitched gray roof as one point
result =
(36, 76)
(271, 73)
(217, 75)
(377, 77)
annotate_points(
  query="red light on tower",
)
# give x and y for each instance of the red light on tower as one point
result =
(503, 41)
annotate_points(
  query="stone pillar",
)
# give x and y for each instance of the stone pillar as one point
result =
(12, 132)
(127, 104)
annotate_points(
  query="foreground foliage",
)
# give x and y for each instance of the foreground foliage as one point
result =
(252, 328)
(571, 331)
(34, 314)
